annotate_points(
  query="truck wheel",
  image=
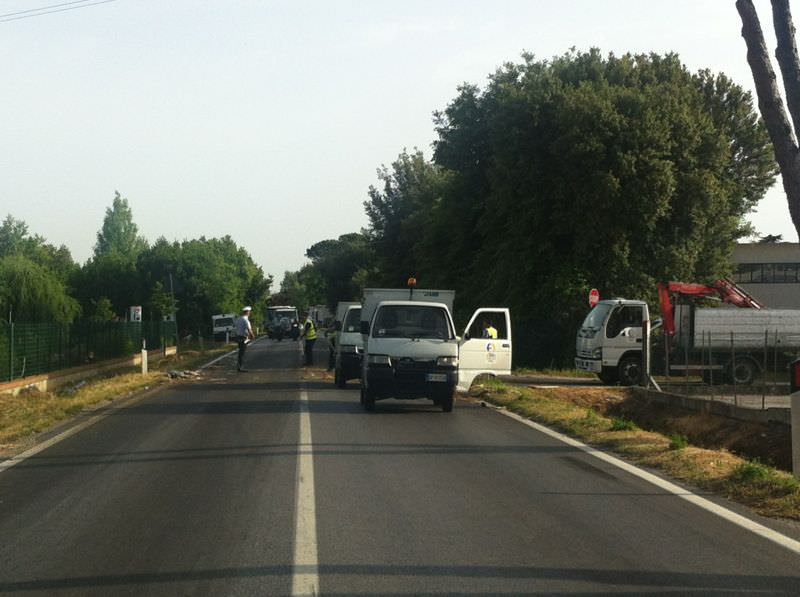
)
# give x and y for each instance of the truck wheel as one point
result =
(630, 371)
(367, 400)
(608, 376)
(744, 373)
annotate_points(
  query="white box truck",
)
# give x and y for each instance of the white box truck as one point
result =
(411, 349)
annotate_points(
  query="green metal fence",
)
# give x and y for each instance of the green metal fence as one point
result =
(33, 348)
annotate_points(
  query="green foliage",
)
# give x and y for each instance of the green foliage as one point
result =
(582, 171)
(15, 240)
(623, 424)
(102, 310)
(750, 472)
(119, 235)
(301, 289)
(342, 265)
(32, 293)
(678, 441)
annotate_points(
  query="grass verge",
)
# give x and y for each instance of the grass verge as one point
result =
(583, 414)
(549, 372)
(31, 411)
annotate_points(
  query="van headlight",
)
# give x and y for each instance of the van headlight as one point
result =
(348, 348)
(379, 360)
(597, 353)
(447, 362)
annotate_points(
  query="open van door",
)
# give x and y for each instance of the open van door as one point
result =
(479, 354)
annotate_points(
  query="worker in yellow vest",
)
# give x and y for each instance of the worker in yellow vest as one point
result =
(489, 331)
(309, 336)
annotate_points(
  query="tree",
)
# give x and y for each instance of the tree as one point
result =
(16, 240)
(783, 134)
(398, 213)
(582, 171)
(31, 293)
(342, 264)
(119, 234)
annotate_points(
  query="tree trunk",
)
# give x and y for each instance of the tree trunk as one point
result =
(771, 106)
(788, 62)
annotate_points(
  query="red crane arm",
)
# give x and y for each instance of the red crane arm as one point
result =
(725, 290)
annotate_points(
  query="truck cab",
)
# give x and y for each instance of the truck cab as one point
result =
(411, 349)
(609, 342)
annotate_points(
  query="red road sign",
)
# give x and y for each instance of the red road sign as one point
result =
(594, 297)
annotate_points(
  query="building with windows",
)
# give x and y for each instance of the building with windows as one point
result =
(770, 272)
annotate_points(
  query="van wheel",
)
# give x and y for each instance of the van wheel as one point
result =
(630, 371)
(744, 373)
(367, 400)
(447, 403)
(338, 380)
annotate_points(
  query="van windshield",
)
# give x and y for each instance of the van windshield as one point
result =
(597, 316)
(352, 321)
(412, 321)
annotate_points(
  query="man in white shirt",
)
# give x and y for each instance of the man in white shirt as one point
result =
(244, 333)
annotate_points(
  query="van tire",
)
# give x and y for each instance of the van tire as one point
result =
(447, 404)
(367, 399)
(630, 370)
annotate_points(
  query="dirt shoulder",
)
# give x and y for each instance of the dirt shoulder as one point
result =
(731, 458)
(31, 413)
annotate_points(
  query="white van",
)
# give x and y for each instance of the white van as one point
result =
(411, 349)
(349, 346)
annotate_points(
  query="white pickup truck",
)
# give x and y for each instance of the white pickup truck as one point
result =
(411, 349)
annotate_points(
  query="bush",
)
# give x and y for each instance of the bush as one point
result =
(678, 441)
(623, 424)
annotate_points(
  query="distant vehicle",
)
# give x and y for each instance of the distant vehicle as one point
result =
(320, 314)
(279, 321)
(222, 325)
(411, 349)
(349, 344)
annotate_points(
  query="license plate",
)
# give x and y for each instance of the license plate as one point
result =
(436, 377)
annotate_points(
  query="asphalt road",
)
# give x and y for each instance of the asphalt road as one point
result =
(200, 490)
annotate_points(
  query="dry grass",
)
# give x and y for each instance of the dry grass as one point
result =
(31, 411)
(550, 372)
(584, 413)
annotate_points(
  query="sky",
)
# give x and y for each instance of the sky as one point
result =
(267, 119)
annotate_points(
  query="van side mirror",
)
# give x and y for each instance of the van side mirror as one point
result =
(365, 328)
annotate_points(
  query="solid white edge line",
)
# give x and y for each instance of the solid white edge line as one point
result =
(709, 506)
(14, 460)
(305, 573)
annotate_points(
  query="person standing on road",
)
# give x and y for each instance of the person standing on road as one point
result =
(244, 333)
(309, 335)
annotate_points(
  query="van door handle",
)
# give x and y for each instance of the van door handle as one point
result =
(506, 345)
(638, 340)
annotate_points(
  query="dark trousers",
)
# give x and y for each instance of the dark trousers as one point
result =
(308, 348)
(242, 348)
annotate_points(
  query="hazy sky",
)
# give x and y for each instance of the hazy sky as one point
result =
(266, 120)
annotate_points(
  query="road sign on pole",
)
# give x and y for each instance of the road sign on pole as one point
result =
(594, 297)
